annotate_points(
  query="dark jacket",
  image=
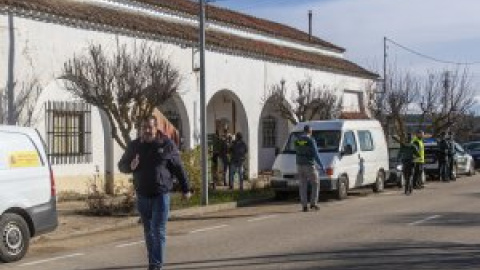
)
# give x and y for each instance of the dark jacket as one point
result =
(443, 149)
(307, 151)
(159, 162)
(408, 152)
(238, 152)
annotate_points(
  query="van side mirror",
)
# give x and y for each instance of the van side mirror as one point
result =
(347, 150)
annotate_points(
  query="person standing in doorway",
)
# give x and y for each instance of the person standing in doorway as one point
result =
(153, 159)
(238, 154)
(223, 154)
(419, 161)
(442, 157)
(307, 161)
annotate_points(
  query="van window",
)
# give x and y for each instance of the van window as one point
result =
(365, 139)
(349, 138)
(327, 141)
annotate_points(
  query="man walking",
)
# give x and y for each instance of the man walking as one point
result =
(307, 158)
(238, 152)
(407, 154)
(420, 160)
(153, 159)
(442, 156)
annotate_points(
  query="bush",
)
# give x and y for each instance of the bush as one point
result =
(192, 163)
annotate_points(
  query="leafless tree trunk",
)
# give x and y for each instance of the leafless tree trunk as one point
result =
(24, 103)
(446, 98)
(309, 102)
(127, 86)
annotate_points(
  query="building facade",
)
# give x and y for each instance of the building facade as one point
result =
(245, 57)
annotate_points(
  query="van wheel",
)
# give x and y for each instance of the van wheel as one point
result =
(342, 189)
(379, 183)
(14, 237)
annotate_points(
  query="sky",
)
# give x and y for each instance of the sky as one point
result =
(447, 30)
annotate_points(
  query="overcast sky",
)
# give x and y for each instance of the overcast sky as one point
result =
(444, 29)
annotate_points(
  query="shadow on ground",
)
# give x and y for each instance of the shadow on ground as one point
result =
(388, 255)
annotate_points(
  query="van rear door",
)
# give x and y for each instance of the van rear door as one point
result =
(24, 175)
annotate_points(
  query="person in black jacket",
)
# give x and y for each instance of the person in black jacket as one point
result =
(451, 155)
(153, 159)
(442, 157)
(238, 155)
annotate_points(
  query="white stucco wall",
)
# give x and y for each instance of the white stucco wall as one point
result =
(42, 48)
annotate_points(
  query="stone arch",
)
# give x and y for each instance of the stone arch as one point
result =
(175, 111)
(273, 131)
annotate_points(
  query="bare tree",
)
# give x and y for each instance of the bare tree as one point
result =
(396, 102)
(308, 102)
(24, 103)
(127, 85)
(446, 98)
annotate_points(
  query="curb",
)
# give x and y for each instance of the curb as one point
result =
(174, 215)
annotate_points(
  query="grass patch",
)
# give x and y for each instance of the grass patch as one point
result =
(220, 196)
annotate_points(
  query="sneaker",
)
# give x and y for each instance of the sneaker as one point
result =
(305, 209)
(314, 207)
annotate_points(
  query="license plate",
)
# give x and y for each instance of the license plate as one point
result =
(292, 183)
(429, 160)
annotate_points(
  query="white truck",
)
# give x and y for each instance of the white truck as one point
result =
(354, 154)
(27, 191)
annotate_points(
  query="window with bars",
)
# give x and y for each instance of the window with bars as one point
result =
(69, 132)
(269, 126)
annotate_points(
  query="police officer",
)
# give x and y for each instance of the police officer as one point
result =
(407, 154)
(420, 160)
(307, 160)
(451, 155)
(443, 160)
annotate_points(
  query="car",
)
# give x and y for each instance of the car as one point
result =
(463, 162)
(28, 198)
(395, 173)
(354, 154)
(473, 148)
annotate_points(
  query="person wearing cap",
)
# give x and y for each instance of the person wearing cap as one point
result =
(420, 160)
(307, 160)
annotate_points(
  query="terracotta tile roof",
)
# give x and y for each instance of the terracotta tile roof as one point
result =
(184, 33)
(241, 20)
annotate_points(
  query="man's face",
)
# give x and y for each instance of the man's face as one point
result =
(149, 130)
(420, 135)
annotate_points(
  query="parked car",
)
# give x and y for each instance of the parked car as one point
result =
(463, 162)
(395, 173)
(28, 200)
(353, 152)
(473, 148)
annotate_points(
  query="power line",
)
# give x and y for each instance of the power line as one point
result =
(431, 57)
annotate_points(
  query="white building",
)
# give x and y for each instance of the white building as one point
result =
(245, 57)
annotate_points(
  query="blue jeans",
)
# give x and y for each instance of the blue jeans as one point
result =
(154, 214)
(234, 169)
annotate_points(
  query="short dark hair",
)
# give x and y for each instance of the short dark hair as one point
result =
(306, 128)
(238, 136)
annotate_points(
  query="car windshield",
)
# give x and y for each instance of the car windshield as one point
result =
(473, 146)
(327, 141)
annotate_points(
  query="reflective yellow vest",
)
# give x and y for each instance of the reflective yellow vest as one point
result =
(421, 150)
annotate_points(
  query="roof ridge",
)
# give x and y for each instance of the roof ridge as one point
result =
(235, 18)
(69, 12)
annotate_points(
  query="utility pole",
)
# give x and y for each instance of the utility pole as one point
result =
(203, 107)
(310, 25)
(11, 66)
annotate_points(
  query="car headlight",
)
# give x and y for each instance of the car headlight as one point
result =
(399, 167)
(277, 173)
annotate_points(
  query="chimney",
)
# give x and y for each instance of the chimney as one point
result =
(309, 25)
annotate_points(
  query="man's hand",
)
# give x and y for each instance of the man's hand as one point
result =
(135, 162)
(187, 196)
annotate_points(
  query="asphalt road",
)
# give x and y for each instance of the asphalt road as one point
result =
(435, 228)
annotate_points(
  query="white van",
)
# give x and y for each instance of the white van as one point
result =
(27, 191)
(353, 152)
